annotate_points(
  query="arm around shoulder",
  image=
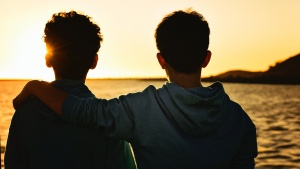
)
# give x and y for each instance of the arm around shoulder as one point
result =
(114, 115)
(48, 94)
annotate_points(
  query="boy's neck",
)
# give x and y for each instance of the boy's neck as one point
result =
(185, 80)
(57, 77)
(82, 80)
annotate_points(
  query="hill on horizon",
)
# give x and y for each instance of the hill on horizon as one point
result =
(285, 72)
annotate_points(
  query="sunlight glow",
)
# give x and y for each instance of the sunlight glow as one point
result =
(241, 39)
(28, 57)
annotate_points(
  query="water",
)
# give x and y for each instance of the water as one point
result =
(275, 110)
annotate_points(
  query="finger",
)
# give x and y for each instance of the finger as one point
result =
(15, 103)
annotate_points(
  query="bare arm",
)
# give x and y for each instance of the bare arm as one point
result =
(52, 97)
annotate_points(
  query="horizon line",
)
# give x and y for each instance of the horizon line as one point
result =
(93, 78)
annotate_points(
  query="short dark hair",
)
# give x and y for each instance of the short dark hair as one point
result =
(182, 38)
(72, 41)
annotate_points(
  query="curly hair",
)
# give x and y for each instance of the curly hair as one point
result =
(182, 38)
(72, 41)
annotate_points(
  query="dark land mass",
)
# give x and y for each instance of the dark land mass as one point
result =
(285, 72)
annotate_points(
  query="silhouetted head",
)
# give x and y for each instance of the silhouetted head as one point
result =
(72, 42)
(182, 39)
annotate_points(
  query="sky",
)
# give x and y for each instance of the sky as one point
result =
(245, 34)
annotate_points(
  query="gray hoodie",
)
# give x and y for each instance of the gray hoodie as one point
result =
(173, 127)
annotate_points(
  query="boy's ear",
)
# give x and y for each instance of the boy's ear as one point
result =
(95, 62)
(161, 60)
(47, 59)
(207, 59)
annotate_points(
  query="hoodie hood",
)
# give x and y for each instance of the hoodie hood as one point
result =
(196, 111)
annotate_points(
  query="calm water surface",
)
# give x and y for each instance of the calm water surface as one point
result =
(275, 110)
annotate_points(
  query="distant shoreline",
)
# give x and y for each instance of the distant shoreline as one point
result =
(131, 78)
(121, 78)
(253, 81)
(241, 80)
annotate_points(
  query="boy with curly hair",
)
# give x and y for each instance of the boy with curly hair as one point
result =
(40, 139)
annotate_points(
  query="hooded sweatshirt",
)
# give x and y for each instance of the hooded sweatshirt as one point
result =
(173, 127)
(39, 139)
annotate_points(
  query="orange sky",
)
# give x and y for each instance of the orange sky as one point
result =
(248, 34)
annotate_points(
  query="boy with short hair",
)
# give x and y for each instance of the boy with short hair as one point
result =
(180, 125)
(39, 139)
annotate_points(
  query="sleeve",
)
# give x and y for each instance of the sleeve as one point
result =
(14, 154)
(114, 115)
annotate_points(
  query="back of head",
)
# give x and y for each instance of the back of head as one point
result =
(182, 39)
(72, 41)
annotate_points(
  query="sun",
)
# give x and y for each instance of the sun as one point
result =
(27, 60)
